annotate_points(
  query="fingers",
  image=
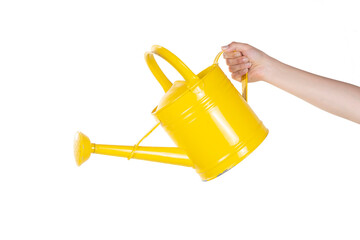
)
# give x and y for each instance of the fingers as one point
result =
(235, 50)
(232, 54)
(237, 75)
(238, 60)
(235, 47)
(236, 55)
(239, 67)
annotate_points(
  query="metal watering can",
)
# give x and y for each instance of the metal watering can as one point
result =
(207, 118)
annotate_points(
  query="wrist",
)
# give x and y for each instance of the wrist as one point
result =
(271, 68)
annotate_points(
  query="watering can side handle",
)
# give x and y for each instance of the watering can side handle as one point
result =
(244, 78)
(156, 71)
(171, 58)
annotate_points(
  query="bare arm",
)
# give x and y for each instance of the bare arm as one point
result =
(336, 97)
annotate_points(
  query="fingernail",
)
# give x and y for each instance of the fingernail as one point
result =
(224, 47)
(245, 59)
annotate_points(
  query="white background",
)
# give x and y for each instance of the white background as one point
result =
(78, 65)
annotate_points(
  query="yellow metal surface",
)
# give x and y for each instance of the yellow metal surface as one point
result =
(82, 148)
(172, 155)
(205, 115)
(208, 118)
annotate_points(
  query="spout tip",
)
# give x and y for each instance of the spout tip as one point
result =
(82, 148)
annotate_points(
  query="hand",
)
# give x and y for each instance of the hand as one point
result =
(316, 90)
(242, 58)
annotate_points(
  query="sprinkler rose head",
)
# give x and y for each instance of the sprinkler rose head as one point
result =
(82, 148)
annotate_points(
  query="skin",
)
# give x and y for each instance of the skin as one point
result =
(336, 97)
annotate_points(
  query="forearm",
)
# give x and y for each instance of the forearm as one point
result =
(339, 98)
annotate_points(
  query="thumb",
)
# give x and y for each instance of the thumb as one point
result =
(234, 46)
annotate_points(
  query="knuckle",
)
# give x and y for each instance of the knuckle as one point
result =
(244, 59)
(235, 68)
(245, 65)
(248, 46)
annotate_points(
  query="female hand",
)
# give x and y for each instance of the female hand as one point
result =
(336, 97)
(242, 58)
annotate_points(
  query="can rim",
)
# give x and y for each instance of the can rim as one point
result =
(207, 70)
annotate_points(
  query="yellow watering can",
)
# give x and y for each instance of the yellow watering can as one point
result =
(207, 118)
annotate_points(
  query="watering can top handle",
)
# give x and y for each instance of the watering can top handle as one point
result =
(244, 79)
(185, 72)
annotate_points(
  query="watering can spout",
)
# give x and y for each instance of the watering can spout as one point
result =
(83, 148)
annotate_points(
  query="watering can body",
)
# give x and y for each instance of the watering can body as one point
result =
(206, 117)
